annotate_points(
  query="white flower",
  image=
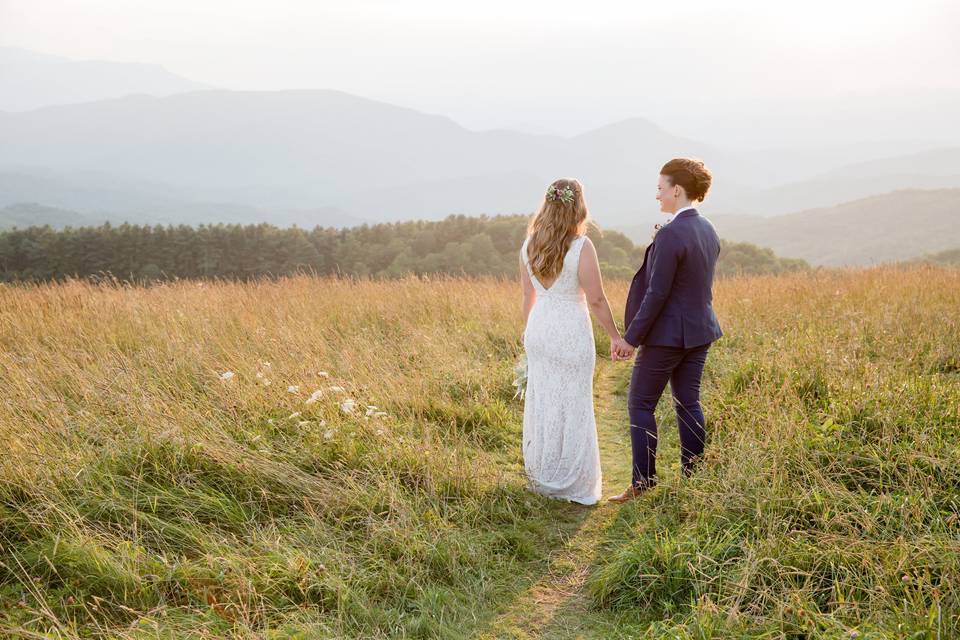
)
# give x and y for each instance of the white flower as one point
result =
(370, 411)
(336, 389)
(323, 423)
(379, 432)
(259, 374)
(303, 423)
(328, 434)
(294, 388)
(266, 382)
(295, 414)
(265, 363)
(226, 375)
(313, 397)
(323, 374)
(380, 414)
(347, 405)
(270, 420)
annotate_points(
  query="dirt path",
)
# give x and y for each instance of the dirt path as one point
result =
(556, 606)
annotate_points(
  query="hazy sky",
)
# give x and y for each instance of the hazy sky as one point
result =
(563, 66)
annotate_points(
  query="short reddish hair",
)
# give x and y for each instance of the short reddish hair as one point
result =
(691, 174)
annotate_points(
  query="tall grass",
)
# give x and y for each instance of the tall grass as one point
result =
(143, 493)
(828, 505)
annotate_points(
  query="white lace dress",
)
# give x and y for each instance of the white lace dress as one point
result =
(560, 450)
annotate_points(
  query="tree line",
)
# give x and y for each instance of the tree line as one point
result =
(459, 244)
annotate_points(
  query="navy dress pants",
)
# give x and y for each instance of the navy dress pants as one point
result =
(652, 369)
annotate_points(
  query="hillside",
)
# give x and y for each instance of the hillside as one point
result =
(25, 214)
(929, 169)
(890, 227)
(948, 258)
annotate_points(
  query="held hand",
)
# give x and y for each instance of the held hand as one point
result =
(620, 349)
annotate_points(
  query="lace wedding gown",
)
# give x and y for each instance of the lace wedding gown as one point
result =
(561, 455)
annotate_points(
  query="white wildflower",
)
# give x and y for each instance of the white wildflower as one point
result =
(295, 414)
(303, 423)
(259, 374)
(328, 434)
(337, 389)
(294, 388)
(226, 375)
(370, 411)
(314, 397)
(323, 374)
(379, 432)
(347, 405)
(265, 363)
(380, 414)
(323, 423)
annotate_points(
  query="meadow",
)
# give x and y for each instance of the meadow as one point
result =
(328, 457)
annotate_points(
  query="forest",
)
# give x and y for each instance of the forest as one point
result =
(458, 245)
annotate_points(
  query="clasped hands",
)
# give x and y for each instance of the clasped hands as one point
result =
(620, 349)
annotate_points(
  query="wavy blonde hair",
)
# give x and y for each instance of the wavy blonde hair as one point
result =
(553, 227)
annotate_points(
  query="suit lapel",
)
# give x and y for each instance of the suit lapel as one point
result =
(638, 287)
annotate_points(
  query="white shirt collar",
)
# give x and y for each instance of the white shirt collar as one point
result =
(684, 209)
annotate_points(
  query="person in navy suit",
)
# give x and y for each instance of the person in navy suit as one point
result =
(669, 319)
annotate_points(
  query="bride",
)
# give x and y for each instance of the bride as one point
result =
(560, 277)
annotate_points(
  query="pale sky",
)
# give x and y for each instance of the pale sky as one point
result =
(563, 66)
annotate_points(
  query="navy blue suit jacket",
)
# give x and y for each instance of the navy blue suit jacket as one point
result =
(670, 302)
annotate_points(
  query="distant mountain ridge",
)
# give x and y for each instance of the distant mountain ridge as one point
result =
(30, 80)
(27, 214)
(138, 143)
(326, 150)
(322, 148)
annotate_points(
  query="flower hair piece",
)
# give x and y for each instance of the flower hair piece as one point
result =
(564, 195)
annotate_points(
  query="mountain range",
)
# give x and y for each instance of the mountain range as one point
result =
(136, 143)
(351, 159)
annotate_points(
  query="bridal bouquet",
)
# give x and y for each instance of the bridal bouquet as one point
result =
(520, 382)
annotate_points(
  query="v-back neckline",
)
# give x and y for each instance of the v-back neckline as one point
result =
(546, 289)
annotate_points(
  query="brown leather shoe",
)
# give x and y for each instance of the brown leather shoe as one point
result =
(629, 494)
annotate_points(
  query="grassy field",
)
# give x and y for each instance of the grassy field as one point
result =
(359, 473)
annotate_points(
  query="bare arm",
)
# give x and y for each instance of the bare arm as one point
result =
(592, 283)
(529, 293)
